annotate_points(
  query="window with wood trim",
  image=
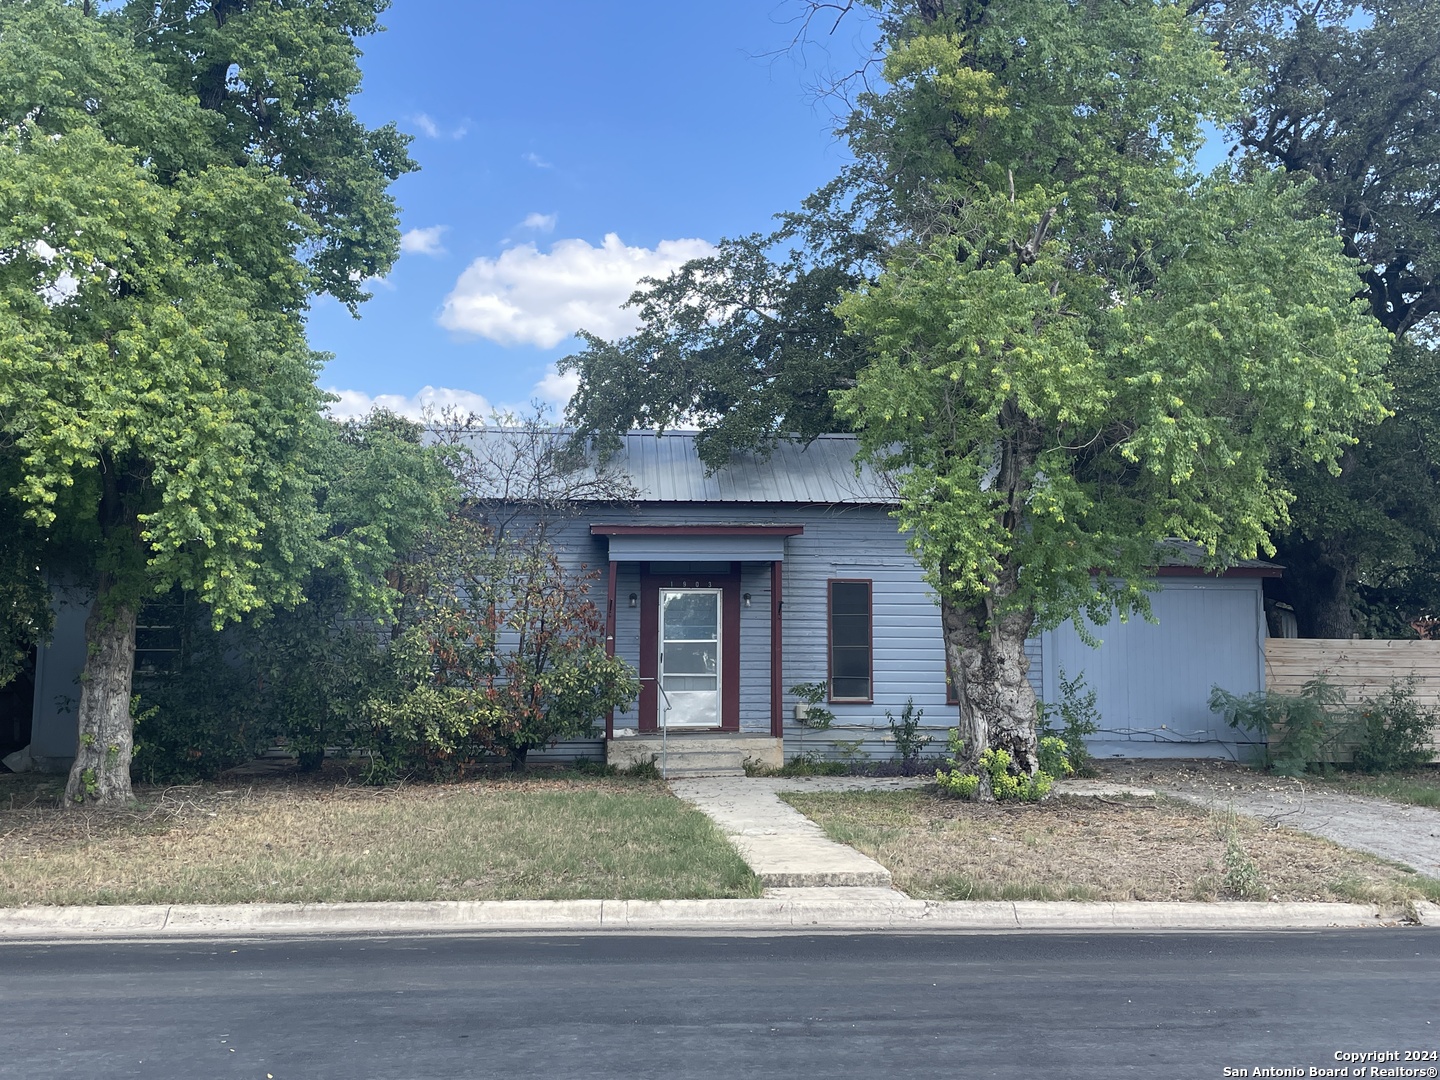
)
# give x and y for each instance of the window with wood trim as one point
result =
(851, 630)
(952, 694)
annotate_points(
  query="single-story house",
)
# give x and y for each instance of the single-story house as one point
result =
(726, 589)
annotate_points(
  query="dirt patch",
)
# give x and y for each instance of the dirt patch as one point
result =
(1206, 776)
(1332, 807)
(1099, 849)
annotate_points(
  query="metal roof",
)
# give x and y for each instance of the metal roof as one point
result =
(667, 468)
(1186, 554)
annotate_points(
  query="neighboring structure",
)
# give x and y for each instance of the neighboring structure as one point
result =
(725, 590)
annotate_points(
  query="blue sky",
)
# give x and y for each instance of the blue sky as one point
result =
(565, 150)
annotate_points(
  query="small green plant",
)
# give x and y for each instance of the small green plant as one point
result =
(1242, 876)
(1054, 756)
(1079, 717)
(954, 782)
(1005, 784)
(1394, 730)
(815, 716)
(1304, 730)
(909, 741)
(641, 770)
(850, 754)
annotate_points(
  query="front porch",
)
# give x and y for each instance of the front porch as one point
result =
(694, 753)
(696, 608)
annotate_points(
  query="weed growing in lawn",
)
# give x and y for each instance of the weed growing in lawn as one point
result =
(1079, 717)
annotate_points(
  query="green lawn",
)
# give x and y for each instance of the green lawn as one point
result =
(288, 841)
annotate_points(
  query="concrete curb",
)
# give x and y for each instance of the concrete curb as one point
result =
(771, 914)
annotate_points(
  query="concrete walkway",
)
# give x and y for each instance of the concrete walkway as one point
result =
(785, 848)
(1403, 834)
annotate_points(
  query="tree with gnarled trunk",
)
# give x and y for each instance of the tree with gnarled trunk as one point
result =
(1082, 347)
(176, 181)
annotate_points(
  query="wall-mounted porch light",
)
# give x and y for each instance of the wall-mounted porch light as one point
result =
(634, 599)
(747, 599)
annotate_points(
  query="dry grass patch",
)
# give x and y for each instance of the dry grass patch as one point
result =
(1072, 848)
(294, 841)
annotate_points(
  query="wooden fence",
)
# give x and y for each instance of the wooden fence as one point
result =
(1360, 668)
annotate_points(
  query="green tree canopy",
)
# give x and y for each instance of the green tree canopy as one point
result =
(1078, 345)
(1343, 97)
(176, 182)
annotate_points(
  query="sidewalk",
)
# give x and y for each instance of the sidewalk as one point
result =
(782, 845)
(843, 910)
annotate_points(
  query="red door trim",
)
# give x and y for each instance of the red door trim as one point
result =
(729, 586)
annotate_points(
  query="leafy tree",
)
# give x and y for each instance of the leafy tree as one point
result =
(303, 672)
(1078, 346)
(178, 179)
(1084, 347)
(25, 615)
(500, 648)
(744, 343)
(1343, 97)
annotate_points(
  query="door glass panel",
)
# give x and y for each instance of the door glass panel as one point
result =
(689, 658)
(691, 616)
(690, 709)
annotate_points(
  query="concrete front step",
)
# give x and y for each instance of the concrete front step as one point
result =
(718, 753)
(672, 773)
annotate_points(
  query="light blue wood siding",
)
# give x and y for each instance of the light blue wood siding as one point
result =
(1152, 681)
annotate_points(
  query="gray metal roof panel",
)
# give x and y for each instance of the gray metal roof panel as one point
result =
(667, 469)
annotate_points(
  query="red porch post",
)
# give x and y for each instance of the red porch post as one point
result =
(777, 678)
(610, 639)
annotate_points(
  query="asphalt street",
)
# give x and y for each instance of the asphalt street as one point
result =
(982, 1005)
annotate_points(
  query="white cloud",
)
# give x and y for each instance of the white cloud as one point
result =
(526, 297)
(544, 223)
(354, 403)
(423, 241)
(431, 130)
(537, 161)
(557, 389)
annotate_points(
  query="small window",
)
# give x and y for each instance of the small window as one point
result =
(952, 695)
(850, 641)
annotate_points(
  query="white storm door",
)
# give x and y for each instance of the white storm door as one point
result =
(689, 658)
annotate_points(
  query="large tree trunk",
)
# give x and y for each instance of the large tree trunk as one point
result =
(1317, 583)
(101, 773)
(997, 702)
(985, 642)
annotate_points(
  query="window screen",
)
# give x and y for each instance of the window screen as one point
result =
(850, 640)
